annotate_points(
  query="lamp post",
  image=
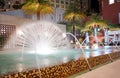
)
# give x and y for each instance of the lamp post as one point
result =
(95, 33)
(106, 36)
(96, 28)
(87, 38)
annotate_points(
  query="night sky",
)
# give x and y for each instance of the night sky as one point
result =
(95, 5)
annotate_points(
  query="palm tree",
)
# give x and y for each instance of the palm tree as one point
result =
(95, 20)
(112, 26)
(73, 15)
(39, 7)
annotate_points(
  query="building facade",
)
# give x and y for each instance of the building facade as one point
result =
(110, 10)
(5, 32)
(63, 4)
(82, 5)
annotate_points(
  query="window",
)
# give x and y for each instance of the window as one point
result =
(57, 5)
(62, 2)
(52, 0)
(111, 1)
(118, 0)
(52, 4)
(66, 3)
(57, 1)
(62, 6)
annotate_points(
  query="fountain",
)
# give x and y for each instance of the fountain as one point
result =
(40, 45)
(38, 36)
(40, 42)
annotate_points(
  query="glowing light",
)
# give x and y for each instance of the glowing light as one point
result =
(87, 47)
(111, 1)
(64, 35)
(95, 46)
(65, 59)
(19, 32)
(20, 67)
(71, 41)
(40, 37)
(46, 34)
(44, 49)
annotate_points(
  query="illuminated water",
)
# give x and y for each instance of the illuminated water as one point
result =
(40, 44)
(38, 37)
(12, 61)
(42, 39)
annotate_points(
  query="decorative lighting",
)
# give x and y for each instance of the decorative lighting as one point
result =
(64, 35)
(44, 49)
(19, 32)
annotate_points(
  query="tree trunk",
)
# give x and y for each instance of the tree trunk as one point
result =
(73, 31)
(38, 15)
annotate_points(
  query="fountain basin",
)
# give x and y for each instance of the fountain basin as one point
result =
(65, 69)
(71, 62)
(12, 61)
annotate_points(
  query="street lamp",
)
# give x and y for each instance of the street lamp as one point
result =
(95, 32)
(106, 35)
(96, 28)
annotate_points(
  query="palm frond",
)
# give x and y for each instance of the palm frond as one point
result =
(69, 16)
(45, 9)
(85, 29)
(34, 6)
(74, 16)
(96, 22)
(30, 8)
(113, 29)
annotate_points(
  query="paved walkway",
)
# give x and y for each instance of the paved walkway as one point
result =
(111, 70)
